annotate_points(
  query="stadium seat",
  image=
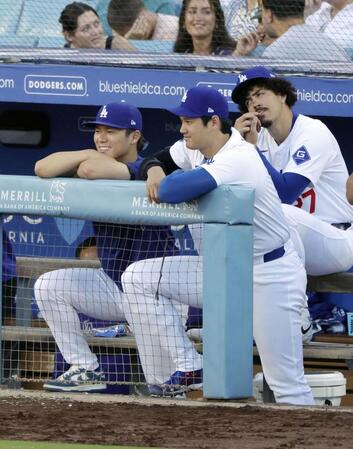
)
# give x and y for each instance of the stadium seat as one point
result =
(18, 41)
(153, 46)
(40, 18)
(10, 16)
(51, 41)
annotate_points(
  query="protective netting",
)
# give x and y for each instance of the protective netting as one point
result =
(271, 30)
(63, 301)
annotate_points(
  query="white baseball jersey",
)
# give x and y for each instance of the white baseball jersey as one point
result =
(312, 151)
(238, 162)
(279, 286)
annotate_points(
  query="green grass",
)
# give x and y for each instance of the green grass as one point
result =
(44, 445)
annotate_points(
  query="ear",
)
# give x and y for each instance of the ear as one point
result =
(68, 35)
(267, 15)
(135, 136)
(215, 121)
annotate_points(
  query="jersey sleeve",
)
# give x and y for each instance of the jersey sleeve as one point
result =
(233, 167)
(180, 155)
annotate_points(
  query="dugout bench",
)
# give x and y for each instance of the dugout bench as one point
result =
(30, 268)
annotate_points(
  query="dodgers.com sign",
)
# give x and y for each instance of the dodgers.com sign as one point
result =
(72, 86)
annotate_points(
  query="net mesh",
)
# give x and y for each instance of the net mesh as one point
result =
(62, 307)
(227, 30)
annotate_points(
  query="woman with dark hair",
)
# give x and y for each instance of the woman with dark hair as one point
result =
(82, 28)
(202, 30)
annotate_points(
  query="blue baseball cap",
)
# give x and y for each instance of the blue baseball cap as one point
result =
(202, 101)
(118, 115)
(258, 72)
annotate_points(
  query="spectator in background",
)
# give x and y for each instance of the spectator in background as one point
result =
(82, 28)
(202, 29)
(168, 7)
(335, 20)
(292, 38)
(241, 16)
(131, 19)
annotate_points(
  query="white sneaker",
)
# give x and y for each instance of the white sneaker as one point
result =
(307, 326)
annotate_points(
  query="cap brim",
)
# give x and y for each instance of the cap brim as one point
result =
(238, 90)
(91, 124)
(181, 111)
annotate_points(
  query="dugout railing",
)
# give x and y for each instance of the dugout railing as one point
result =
(227, 214)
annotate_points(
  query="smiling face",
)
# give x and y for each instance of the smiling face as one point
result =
(200, 19)
(116, 143)
(266, 103)
(89, 32)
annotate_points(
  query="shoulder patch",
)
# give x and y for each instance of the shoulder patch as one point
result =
(301, 155)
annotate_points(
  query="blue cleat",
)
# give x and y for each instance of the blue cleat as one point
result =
(178, 384)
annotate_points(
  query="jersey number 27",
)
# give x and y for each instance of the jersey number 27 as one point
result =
(309, 195)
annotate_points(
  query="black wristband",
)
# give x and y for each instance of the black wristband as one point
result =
(147, 164)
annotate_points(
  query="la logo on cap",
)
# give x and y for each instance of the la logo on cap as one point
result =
(185, 96)
(242, 78)
(104, 112)
(210, 110)
(132, 122)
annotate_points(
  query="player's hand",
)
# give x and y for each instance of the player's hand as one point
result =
(249, 126)
(155, 175)
(143, 27)
(246, 44)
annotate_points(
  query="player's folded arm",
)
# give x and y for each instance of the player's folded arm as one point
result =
(161, 159)
(289, 185)
(185, 186)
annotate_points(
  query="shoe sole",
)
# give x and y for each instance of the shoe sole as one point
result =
(179, 394)
(77, 388)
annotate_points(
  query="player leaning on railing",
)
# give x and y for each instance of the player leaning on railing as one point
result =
(62, 294)
(212, 153)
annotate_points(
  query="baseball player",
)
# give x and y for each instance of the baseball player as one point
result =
(62, 294)
(306, 165)
(212, 153)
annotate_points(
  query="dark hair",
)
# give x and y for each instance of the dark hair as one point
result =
(142, 142)
(220, 37)
(87, 243)
(123, 13)
(226, 124)
(70, 14)
(278, 86)
(284, 8)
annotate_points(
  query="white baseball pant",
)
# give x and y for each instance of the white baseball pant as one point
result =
(324, 248)
(279, 296)
(62, 294)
